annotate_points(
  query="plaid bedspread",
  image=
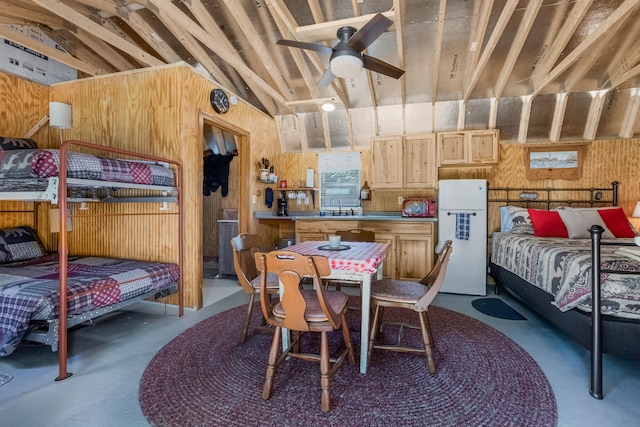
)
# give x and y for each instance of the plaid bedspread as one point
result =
(23, 164)
(29, 290)
(562, 268)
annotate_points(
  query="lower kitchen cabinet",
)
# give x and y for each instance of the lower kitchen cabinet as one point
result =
(414, 255)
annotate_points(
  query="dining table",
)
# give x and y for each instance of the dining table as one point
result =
(353, 261)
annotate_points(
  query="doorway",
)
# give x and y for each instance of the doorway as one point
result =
(222, 192)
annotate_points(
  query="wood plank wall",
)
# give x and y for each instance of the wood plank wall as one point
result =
(24, 104)
(606, 161)
(158, 111)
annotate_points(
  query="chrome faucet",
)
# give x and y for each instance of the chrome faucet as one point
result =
(339, 205)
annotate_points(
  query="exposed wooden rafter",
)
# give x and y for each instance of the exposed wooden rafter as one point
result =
(79, 20)
(533, 55)
(505, 16)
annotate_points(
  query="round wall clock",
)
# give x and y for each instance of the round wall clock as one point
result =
(219, 101)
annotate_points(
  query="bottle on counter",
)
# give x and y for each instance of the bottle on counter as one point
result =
(365, 192)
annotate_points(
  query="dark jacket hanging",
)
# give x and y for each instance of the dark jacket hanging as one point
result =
(216, 173)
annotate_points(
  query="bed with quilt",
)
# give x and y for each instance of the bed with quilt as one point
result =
(29, 287)
(25, 168)
(544, 258)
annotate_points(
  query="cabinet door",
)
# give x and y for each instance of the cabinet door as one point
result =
(483, 146)
(414, 256)
(306, 236)
(389, 264)
(452, 148)
(386, 153)
(226, 230)
(420, 169)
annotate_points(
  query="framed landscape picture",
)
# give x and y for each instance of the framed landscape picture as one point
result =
(555, 161)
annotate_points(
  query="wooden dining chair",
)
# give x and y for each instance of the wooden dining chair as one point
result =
(356, 235)
(415, 296)
(244, 247)
(303, 310)
(353, 235)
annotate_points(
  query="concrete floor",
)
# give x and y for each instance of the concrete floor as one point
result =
(108, 360)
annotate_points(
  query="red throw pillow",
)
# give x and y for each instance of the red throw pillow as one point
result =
(617, 222)
(547, 223)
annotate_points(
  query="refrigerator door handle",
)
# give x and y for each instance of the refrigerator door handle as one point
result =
(453, 213)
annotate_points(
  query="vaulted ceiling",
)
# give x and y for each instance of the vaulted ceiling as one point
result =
(538, 70)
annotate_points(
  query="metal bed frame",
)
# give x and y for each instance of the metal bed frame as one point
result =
(596, 332)
(57, 193)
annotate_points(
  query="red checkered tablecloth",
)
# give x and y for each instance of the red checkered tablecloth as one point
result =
(361, 257)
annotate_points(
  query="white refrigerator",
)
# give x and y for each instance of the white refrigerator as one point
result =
(462, 218)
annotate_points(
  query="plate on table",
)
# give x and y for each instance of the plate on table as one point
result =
(329, 248)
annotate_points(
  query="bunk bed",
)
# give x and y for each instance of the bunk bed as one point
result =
(43, 295)
(580, 278)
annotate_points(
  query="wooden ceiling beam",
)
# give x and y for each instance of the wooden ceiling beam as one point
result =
(566, 28)
(503, 20)
(108, 53)
(327, 30)
(479, 28)
(298, 59)
(558, 116)
(137, 24)
(72, 44)
(167, 9)
(198, 9)
(627, 75)
(632, 114)
(620, 14)
(247, 28)
(79, 20)
(281, 13)
(196, 50)
(524, 29)
(398, 7)
(595, 112)
(627, 54)
(575, 74)
(51, 52)
(438, 51)
(35, 15)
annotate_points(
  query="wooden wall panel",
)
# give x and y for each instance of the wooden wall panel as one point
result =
(24, 104)
(159, 111)
(606, 161)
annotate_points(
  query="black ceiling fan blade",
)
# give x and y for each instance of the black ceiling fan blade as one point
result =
(379, 66)
(327, 78)
(369, 32)
(304, 45)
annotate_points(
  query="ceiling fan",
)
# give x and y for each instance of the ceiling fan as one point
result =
(347, 59)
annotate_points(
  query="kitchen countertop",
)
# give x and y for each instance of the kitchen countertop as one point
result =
(372, 216)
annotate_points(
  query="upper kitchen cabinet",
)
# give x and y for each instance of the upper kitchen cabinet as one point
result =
(404, 161)
(386, 158)
(468, 148)
(420, 165)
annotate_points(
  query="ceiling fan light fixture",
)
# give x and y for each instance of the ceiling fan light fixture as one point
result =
(328, 106)
(346, 66)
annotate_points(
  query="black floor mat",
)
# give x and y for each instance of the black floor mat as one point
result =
(496, 308)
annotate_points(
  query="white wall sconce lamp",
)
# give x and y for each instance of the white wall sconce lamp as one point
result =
(60, 116)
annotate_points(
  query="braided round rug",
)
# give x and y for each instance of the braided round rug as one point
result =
(205, 377)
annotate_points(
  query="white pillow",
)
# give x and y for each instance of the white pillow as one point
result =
(506, 222)
(578, 222)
